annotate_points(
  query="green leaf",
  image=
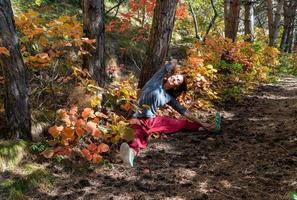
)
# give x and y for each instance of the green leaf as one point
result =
(293, 195)
(103, 129)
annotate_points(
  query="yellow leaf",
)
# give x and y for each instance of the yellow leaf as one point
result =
(116, 139)
(31, 14)
(95, 101)
(63, 19)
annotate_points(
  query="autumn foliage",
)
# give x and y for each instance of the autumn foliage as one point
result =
(216, 71)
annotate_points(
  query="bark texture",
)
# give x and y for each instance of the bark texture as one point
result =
(17, 108)
(287, 42)
(160, 36)
(231, 12)
(274, 19)
(93, 26)
(249, 20)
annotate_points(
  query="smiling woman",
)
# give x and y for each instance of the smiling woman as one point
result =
(175, 85)
(157, 92)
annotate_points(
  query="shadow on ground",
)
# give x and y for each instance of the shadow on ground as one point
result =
(258, 160)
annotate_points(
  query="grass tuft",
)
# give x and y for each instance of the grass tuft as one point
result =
(19, 177)
(11, 154)
(31, 177)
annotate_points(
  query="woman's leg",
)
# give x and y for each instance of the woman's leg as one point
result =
(140, 138)
(164, 124)
(158, 124)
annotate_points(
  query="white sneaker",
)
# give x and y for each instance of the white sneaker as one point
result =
(127, 154)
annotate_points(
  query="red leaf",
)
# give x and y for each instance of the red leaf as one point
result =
(87, 154)
(96, 158)
(102, 148)
(96, 133)
(92, 147)
(79, 131)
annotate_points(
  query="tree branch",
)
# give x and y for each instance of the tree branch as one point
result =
(212, 22)
(116, 6)
(195, 21)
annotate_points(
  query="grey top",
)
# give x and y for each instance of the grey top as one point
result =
(153, 95)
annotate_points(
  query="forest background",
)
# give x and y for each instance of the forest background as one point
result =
(77, 66)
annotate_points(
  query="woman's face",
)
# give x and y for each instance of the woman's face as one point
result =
(174, 81)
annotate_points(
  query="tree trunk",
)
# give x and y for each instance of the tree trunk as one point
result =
(93, 25)
(160, 36)
(273, 21)
(289, 22)
(16, 86)
(226, 16)
(249, 20)
(231, 25)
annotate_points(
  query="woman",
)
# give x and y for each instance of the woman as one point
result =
(157, 92)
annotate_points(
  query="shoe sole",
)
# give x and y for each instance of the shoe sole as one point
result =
(126, 154)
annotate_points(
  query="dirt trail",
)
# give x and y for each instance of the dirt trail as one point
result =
(257, 161)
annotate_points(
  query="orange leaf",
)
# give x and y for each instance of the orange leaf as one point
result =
(65, 142)
(127, 106)
(80, 122)
(68, 134)
(92, 147)
(102, 148)
(49, 153)
(87, 154)
(96, 120)
(66, 151)
(90, 126)
(4, 51)
(54, 131)
(126, 15)
(181, 12)
(96, 158)
(62, 113)
(79, 131)
(43, 55)
(87, 112)
(52, 142)
(96, 133)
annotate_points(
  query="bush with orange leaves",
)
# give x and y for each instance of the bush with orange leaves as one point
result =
(222, 70)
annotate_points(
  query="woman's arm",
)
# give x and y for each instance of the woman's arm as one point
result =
(175, 66)
(209, 127)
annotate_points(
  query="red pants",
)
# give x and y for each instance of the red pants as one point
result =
(158, 124)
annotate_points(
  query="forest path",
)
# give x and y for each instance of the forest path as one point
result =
(258, 160)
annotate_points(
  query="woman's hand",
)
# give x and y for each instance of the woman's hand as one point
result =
(134, 121)
(175, 66)
(208, 127)
(205, 126)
